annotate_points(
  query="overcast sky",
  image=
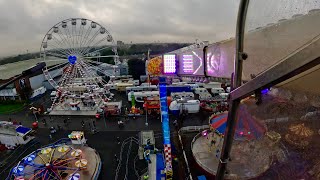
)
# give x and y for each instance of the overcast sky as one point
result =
(23, 23)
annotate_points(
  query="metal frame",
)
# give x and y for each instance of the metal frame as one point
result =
(299, 61)
(233, 104)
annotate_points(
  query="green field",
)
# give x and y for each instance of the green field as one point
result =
(10, 108)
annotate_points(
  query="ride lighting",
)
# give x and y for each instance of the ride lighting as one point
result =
(187, 63)
(169, 63)
(264, 91)
(205, 133)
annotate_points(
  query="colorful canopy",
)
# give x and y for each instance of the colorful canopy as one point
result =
(63, 148)
(29, 159)
(76, 153)
(247, 126)
(75, 176)
(46, 151)
(18, 170)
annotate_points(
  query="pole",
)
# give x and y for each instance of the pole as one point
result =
(35, 116)
(234, 104)
(104, 117)
(147, 116)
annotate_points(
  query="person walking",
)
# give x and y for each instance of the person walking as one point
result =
(44, 121)
(82, 124)
(116, 157)
(94, 124)
(120, 124)
(118, 140)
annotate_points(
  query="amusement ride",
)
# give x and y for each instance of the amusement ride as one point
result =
(76, 45)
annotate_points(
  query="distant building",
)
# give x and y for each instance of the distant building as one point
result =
(34, 82)
(112, 70)
(120, 43)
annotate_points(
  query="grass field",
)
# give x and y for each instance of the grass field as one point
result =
(10, 108)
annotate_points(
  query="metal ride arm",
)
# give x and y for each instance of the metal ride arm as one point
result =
(29, 71)
(234, 104)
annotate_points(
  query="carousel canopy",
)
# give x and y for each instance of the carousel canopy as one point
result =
(247, 126)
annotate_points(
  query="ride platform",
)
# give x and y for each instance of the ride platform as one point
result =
(249, 159)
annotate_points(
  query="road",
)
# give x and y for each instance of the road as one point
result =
(105, 140)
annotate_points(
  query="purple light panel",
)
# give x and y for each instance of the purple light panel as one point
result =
(187, 63)
(169, 63)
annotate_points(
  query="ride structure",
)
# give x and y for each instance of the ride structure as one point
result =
(76, 45)
(64, 159)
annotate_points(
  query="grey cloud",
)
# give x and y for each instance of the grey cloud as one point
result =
(24, 23)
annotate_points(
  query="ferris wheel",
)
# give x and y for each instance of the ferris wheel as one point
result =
(75, 46)
(72, 49)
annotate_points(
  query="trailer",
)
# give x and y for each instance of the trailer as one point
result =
(13, 135)
(140, 96)
(152, 105)
(112, 108)
(191, 106)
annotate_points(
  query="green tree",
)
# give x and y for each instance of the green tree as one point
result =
(26, 92)
(136, 68)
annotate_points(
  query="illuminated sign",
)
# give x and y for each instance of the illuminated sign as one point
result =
(169, 63)
(187, 63)
(200, 62)
(213, 60)
(191, 62)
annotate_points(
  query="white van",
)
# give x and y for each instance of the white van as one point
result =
(136, 82)
(224, 95)
(182, 95)
(205, 96)
(200, 90)
(216, 91)
(141, 88)
(139, 96)
(192, 106)
(211, 85)
(193, 86)
(221, 97)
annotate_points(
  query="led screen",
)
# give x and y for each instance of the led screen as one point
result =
(220, 59)
(169, 63)
(191, 62)
(187, 63)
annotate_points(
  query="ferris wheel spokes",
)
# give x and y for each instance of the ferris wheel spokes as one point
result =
(56, 55)
(62, 44)
(88, 43)
(65, 40)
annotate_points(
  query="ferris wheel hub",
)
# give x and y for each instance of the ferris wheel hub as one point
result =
(72, 59)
